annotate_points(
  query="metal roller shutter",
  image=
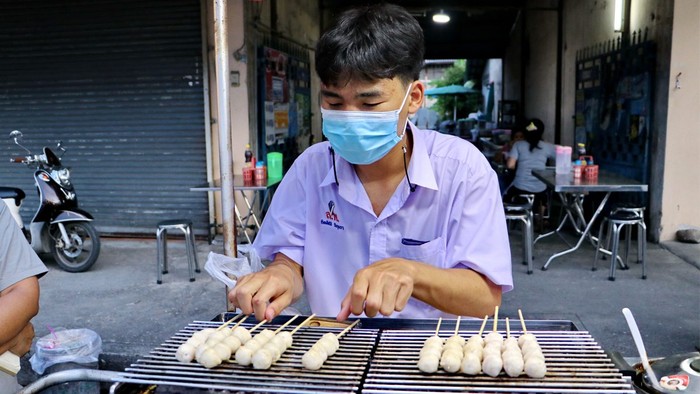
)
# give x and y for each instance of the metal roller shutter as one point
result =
(120, 83)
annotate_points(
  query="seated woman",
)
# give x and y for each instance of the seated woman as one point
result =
(528, 155)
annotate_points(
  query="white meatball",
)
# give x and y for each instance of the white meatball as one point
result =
(533, 354)
(431, 350)
(513, 364)
(242, 334)
(535, 368)
(313, 359)
(474, 349)
(526, 338)
(222, 351)
(509, 342)
(476, 339)
(512, 353)
(452, 352)
(262, 359)
(287, 338)
(333, 339)
(185, 353)
(244, 355)
(232, 342)
(326, 346)
(529, 345)
(253, 345)
(451, 363)
(195, 341)
(456, 339)
(428, 364)
(198, 352)
(275, 349)
(267, 334)
(493, 350)
(471, 364)
(492, 365)
(202, 335)
(493, 336)
(209, 359)
(433, 341)
(217, 336)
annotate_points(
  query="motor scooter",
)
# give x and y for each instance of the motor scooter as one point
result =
(58, 227)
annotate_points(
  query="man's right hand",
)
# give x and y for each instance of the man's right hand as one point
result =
(268, 292)
(23, 341)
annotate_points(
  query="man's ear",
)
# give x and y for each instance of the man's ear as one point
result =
(416, 97)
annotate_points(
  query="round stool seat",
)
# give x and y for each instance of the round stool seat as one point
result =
(174, 223)
(624, 215)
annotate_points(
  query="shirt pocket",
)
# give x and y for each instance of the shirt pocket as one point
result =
(430, 252)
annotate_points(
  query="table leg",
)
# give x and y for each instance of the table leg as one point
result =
(584, 234)
(568, 215)
(240, 221)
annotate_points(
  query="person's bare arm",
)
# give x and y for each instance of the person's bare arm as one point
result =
(386, 286)
(268, 292)
(511, 163)
(19, 303)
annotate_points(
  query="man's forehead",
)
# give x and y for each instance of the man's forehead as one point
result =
(377, 88)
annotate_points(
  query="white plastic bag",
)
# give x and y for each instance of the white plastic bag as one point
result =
(228, 269)
(79, 345)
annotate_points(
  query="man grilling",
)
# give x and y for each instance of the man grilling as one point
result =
(384, 218)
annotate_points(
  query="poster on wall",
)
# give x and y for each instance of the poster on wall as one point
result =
(276, 96)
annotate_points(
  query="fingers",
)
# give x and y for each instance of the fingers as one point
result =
(358, 294)
(264, 294)
(402, 297)
(344, 309)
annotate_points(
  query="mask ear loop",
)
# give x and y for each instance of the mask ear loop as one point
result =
(335, 173)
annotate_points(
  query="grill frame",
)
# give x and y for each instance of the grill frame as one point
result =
(366, 362)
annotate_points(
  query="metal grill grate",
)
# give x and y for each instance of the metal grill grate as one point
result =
(381, 356)
(575, 364)
(341, 373)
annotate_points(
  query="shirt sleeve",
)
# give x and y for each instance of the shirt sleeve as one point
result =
(284, 228)
(478, 236)
(17, 259)
(514, 151)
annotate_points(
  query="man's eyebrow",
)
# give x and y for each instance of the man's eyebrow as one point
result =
(329, 93)
(370, 94)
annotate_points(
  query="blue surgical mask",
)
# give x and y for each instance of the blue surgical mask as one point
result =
(363, 137)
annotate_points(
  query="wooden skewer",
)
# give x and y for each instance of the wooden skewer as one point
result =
(303, 323)
(457, 325)
(240, 322)
(522, 321)
(258, 325)
(507, 328)
(228, 322)
(483, 324)
(495, 319)
(286, 324)
(348, 328)
(437, 329)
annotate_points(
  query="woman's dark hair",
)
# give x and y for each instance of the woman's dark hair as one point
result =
(535, 129)
(369, 43)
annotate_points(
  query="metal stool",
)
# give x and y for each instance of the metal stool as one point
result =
(523, 213)
(185, 226)
(619, 218)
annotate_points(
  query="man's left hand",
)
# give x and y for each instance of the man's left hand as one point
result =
(384, 286)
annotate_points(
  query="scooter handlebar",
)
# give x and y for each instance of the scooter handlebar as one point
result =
(18, 159)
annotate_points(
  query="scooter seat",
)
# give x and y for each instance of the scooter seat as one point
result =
(12, 192)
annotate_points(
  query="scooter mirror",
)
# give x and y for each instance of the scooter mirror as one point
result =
(17, 136)
(60, 147)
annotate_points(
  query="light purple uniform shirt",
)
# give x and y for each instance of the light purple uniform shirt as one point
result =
(454, 219)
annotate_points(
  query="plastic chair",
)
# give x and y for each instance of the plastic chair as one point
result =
(184, 225)
(523, 212)
(616, 221)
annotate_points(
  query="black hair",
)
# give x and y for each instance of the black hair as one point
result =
(371, 42)
(534, 136)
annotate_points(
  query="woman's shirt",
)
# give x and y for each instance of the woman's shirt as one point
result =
(531, 160)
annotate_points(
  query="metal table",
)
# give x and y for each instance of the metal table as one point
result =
(240, 186)
(572, 191)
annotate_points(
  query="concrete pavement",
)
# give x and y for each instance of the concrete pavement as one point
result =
(120, 300)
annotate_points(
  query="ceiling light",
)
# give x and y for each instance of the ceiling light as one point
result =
(441, 17)
(618, 16)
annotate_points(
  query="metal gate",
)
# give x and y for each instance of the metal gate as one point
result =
(120, 83)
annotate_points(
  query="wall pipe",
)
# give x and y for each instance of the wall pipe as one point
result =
(225, 156)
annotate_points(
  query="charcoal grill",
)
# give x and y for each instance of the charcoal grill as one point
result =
(379, 356)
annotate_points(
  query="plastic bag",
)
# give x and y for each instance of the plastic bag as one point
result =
(228, 269)
(79, 345)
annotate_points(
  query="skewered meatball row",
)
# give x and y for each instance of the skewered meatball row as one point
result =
(325, 347)
(430, 353)
(534, 365)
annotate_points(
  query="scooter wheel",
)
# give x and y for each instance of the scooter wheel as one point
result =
(83, 250)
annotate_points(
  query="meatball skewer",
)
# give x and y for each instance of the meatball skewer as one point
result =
(325, 347)
(272, 350)
(429, 357)
(512, 355)
(185, 353)
(473, 352)
(533, 357)
(493, 362)
(452, 353)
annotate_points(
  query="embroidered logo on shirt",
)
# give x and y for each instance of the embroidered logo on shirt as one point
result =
(332, 218)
